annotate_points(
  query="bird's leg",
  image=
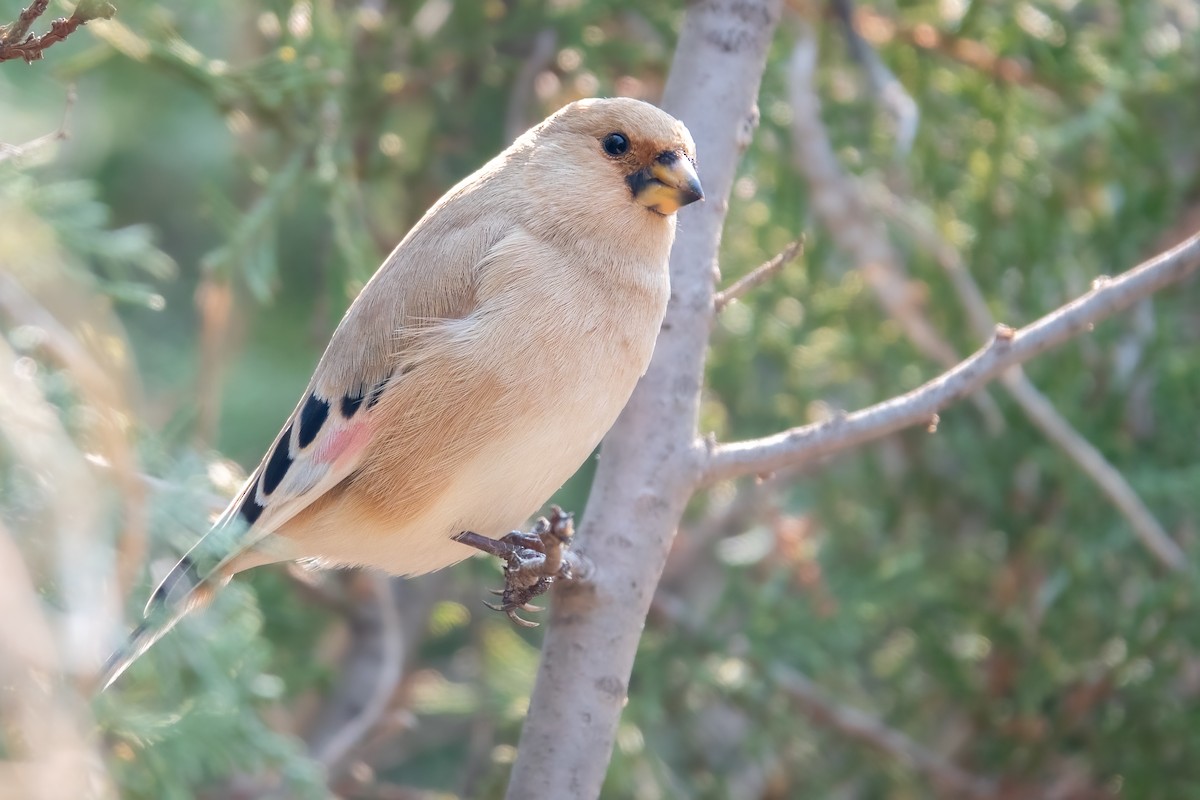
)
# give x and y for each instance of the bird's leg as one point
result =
(533, 561)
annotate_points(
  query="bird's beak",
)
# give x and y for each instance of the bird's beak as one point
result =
(667, 185)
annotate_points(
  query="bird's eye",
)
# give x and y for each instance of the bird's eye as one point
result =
(615, 144)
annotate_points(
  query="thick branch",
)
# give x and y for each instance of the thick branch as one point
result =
(647, 467)
(1007, 348)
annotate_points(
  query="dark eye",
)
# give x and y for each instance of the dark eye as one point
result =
(615, 144)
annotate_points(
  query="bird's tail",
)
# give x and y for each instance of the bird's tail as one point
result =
(182, 591)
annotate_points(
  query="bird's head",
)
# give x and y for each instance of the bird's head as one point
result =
(622, 154)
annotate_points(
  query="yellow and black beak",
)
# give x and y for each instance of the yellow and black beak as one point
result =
(667, 185)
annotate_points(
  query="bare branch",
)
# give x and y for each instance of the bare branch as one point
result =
(1006, 349)
(757, 276)
(873, 732)
(646, 473)
(31, 47)
(1038, 409)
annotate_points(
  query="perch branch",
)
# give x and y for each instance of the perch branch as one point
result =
(646, 471)
(1006, 349)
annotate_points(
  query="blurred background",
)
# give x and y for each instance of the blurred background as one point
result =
(959, 613)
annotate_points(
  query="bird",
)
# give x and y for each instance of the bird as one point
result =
(475, 371)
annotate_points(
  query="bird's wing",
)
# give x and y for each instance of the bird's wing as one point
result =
(430, 277)
(320, 445)
(326, 436)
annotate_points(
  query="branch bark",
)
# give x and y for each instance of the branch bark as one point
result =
(649, 464)
(1006, 349)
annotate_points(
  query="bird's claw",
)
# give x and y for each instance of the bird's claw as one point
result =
(533, 561)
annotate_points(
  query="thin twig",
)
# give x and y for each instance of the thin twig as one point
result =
(873, 732)
(13, 151)
(1042, 413)
(1037, 407)
(16, 44)
(757, 276)
(1006, 349)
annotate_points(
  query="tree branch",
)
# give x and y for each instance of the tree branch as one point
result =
(14, 43)
(540, 56)
(757, 276)
(1006, 349)
(647, 469)
(1037, 407)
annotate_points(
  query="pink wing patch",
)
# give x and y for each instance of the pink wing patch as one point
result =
(344, 443)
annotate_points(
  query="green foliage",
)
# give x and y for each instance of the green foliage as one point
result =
(971, 588)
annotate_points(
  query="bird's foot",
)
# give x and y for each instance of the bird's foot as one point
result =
(533, 561)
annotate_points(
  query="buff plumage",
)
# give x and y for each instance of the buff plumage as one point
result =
(476, 370)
